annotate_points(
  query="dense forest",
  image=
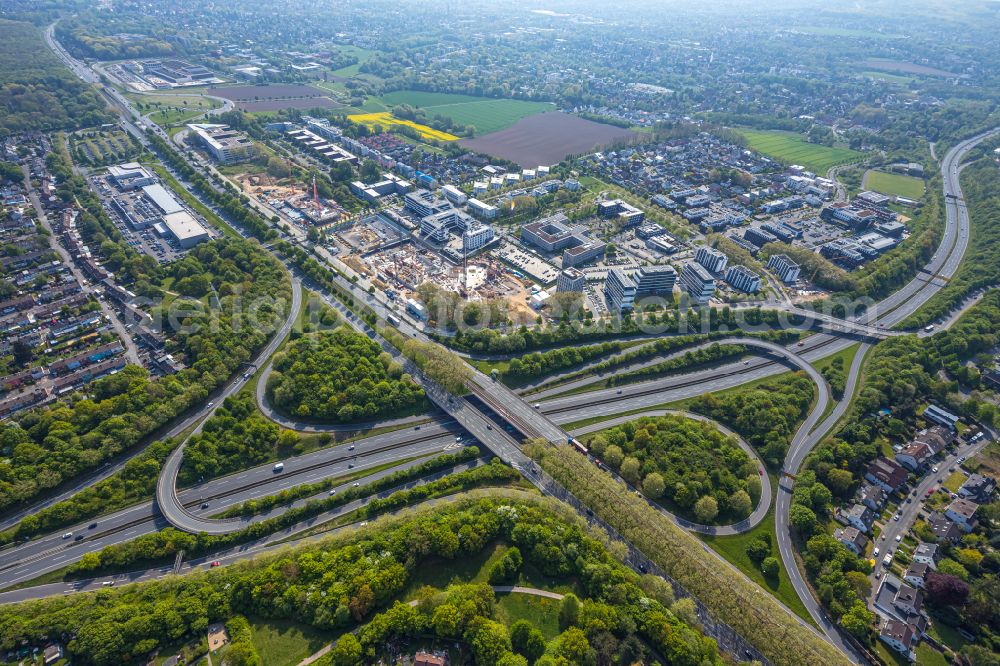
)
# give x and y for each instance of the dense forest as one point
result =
(766, 414)
(36, 91)
(340, 376)
(621, 615)
(702, 473)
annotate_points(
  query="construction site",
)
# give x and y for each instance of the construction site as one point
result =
(406, 265)
(300, 203)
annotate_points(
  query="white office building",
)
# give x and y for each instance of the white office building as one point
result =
(476, 237)
(712, 259)
(783, 266)
(742, 278)
(620, 290)
(482, 209)
(697, 282)
(454, 195)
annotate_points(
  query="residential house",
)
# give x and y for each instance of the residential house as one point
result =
(900, 637)
(908, 600)
(871, 496)
(887, 474)
(858, 516)
(927, 444)
(428, 659)
(943, 528)
(962, 512)
(915, 574)
(926, 553)
(52, 654)
(978, 488)
(852, 538)
(940, 416)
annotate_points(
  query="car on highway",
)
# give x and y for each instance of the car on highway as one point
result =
(91, 526)
(333, 491)
(356, 484)
(350, 448)
(280, 467)
(204, 505)
(78, 537)
(67, 535)
(215, 564)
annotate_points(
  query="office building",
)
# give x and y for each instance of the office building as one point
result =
(482, 209)
(627, 214)
(476, 237)
(424, 202)
(650, 230)
(619, 289)
(759, 237)
(390, 184)
(454, 195)
(743, 279)
(570, 279)
(437, 227)
(697, 282)
(712, 259)
(655, 281)
(226, 146)
(786, 269)
(130, 176)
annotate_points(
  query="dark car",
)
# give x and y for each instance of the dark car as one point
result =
(91, 526)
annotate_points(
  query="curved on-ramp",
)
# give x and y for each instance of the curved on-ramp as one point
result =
(166, 484)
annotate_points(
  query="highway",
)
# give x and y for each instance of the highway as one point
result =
(542, 422)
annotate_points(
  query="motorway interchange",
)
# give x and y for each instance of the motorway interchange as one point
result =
(191, 509)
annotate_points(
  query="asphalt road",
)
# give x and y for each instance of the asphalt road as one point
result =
(890, 311)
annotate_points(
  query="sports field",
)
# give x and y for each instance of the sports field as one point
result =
(486, 114)
(387, 120)
(793, 149)
(894, 184)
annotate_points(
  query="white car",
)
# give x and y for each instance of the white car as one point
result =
(899, 537)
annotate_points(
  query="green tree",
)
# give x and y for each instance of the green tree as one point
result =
(706, 509)
(569, 611)
(526, 640)
(770, 567)
(653, 485)
(740, 503)
(802, 519)
(347, 651)
(574, 646)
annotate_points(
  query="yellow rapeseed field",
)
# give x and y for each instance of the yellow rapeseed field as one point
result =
(387, 120)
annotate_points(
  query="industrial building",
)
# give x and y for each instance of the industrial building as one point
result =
(570, 279)
(711, 259)
(620, 290)
(162, 199)
(783, 266)
(225, 145)
(697, 282)
(183, 227)
(742, 278)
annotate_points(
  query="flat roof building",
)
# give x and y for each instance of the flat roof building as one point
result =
(697, 282)
(482, 209)
(743, 279)
(655, 281)
(712, 259)
(224, 144)
(185, 229)
(620, 290)
(570, 279)
(783, 266)
(130, 175)
(162, 198)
